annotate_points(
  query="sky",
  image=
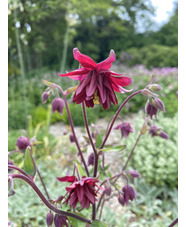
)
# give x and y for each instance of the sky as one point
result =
(164, 8)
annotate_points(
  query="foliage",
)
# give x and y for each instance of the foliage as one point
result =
(154, 56)
(155, 158)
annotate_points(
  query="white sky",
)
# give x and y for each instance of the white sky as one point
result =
(164, 8)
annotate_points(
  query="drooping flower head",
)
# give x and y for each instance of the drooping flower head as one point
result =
(83, 191)
(129, 194)
(156, 131)
(125, 129)
(58, 105)
(97, 82)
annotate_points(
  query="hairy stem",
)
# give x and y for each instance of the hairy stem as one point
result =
(72, 128)
(45, 201)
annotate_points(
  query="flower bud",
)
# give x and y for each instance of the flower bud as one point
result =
(108, 191)
(151, 110)
(121, 199)
(58, 105)
(91, 159)
(49, 218)
(164, 135)
(154, 87)
(153, 130)
(158, 104)
(22, 143)
(60, 220)
(72, 139)
(134, 173)
(45, 96)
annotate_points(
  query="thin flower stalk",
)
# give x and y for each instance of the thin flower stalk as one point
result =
(72, 128)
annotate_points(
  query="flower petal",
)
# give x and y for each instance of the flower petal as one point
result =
(83, 83)
(84, 60)
(67, 179)
(80, 193)
(122, 81)
(106, 64)
(91, 87)
(75, 73)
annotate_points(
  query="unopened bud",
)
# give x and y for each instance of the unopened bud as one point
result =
(108, 191)
(134, 173)
(59, 199)
(154, 87)
(121, 199)
(72, 139)
(45, 96)
(58, 105)
(91, 159)
(164, 135)
(157, 103)
(49, 218)
(22, 142)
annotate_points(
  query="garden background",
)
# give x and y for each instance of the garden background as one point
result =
(42, 35)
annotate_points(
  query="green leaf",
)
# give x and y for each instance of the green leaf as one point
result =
(80, 168)
(29, 166)
(75, 222)
(98, 140)
(116, 148)
(97, 223)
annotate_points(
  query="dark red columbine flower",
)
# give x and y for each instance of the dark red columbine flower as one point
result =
(97, 82)
(125, 129)
(83, 191)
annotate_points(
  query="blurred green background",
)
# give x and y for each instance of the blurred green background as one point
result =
(42, 35)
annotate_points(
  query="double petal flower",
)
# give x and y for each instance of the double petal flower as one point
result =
(97, 82)
(83, 191)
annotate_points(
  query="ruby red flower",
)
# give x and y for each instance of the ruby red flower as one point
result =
(97, 82)
(82, 191)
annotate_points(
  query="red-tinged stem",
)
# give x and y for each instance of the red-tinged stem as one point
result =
(173, 223)
(132, 151)
(45, 201)
(17, 168)
(90, 138)
(95, 154)
(43, 184)
(72, 128)
(116, 115)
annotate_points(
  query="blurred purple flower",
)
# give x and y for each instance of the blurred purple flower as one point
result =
(58, 105)
(60, 220)
(134, 173)
(129, 193)
(125, 129)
